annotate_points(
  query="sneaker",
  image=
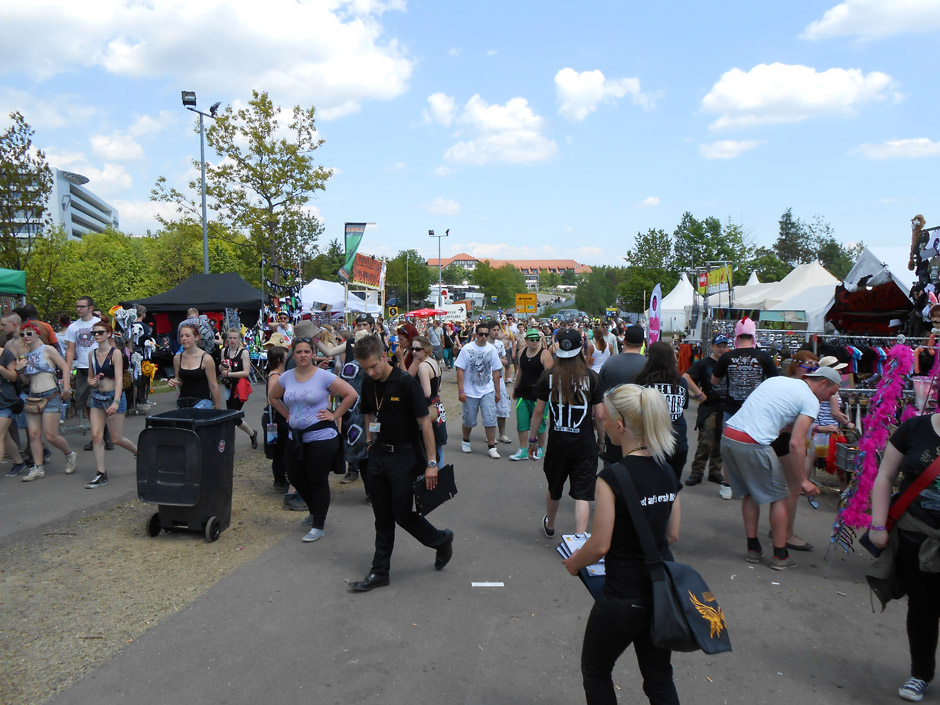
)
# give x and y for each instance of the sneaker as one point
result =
(16, 469)
(504, 439)
(521, 454)
(295, 504)
(109, 446)
(753, 556)
(281, 486)
(717, 479)
(725, 491)
(36, 472)
(71, 460)
(101, 479)
(539, 452)
(350, 476)
(693, 480)
(913, 690)
(548, 532)
(783, 564)
(312, 535)
(493, 453)
(90, 445)
(307, 520)
(465, 446)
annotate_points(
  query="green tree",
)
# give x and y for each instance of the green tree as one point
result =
(795, 244)
(503, 283)
(599, 289)
(25, 185)
(569, 278)
(46, 275)
(651, 261)
(548, 280)
(325, 265)
(452, 274)
(764, 261)
(264, 181)
(417, 276)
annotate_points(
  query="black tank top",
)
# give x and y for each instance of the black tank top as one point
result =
(235, 364)
(435, 382)
(194, 383)
(532, 369)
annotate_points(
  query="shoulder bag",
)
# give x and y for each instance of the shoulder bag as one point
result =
(686, 616)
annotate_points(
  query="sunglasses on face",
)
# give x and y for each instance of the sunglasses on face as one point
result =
(483, 335)
(100, 332)
(809, 368)
(417, 350)
(27, 333)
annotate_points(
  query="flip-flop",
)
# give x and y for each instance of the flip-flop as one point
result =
(805, 546)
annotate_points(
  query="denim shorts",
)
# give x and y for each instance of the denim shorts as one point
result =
(485, 406)
(103, 400)
(54, 405)
(7, 413)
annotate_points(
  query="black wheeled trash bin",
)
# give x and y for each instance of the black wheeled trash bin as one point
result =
(185, 460)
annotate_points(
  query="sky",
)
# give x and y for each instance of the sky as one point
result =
(527, 129)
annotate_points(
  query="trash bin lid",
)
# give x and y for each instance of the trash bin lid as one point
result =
(195, 417)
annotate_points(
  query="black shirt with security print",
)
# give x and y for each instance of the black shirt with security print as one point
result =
(571, 426)
(677, 399)
(397, 404)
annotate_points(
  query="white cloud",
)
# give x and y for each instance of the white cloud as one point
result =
(137, 217)
(648, 202)
(454, 51)
(589, 251)
(397, 166)
(116, 147)
(333, 54)
(107, 181)
(727, 149)
(579, 94)
(58, 110)
(491, 52)
(876, 19)
(441, 109)
(500, 133)
(782, 93)
(443, 171)
(147, 125)
(900, 149)
(442, 206)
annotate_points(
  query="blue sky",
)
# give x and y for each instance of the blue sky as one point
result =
(529, 129)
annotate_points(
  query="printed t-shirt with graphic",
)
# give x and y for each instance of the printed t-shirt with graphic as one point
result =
(571, 426)
(397, 404)
(677, 399)
(478, 364)
(745, 369)
(774, 405)
(917, 441)
(305, 399)
(79, 332)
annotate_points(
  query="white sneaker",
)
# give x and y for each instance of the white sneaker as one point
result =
(313, 535)
(36, 472)
(504, 439)
(465, 446)
(493, 453)
(71, 460)
(725, 491)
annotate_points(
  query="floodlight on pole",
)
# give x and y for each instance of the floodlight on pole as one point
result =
(189, 102)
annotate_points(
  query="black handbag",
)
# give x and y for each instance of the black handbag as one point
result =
(685, 616)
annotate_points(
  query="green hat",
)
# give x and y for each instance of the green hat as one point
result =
(533, 333)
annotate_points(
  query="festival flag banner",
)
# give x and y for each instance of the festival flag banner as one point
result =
(354, 233)
(654, 313)
(716, 281)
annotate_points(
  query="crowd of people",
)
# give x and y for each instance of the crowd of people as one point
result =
(366, 404)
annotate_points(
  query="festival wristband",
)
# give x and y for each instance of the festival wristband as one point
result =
(878, 528)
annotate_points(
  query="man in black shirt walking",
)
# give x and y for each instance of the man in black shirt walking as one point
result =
(393, 404)
(710, 419)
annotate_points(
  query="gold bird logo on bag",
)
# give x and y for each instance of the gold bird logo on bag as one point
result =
(714, 615)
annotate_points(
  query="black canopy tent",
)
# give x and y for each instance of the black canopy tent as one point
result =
(206, 292)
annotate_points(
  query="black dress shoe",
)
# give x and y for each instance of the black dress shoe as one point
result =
(446, 551)
(370, 582)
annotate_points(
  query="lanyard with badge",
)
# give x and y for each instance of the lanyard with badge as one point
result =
(376, 426)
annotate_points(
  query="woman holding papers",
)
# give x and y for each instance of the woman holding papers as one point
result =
(638, 420)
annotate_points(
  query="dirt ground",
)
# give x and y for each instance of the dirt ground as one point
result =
(79, 593)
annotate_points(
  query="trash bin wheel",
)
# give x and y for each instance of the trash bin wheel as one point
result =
(153, 525)
(213, 529)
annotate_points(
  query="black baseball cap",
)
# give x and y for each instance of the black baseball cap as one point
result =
(569, 343)
(365, 318)
(635, 335)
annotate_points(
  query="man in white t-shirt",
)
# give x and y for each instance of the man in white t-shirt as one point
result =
(79, 343)
(751, 465)
(478, 370)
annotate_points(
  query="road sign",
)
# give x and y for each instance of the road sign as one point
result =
(527, 303)
(492, 299)
(392, 311)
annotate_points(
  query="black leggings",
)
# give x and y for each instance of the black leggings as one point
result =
(613, 625)
(310, 475)
(923, 610)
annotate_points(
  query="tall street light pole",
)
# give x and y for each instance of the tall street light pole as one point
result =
(189, 102)
(439, 268)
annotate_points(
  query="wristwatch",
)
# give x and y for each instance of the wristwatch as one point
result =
(432, 463)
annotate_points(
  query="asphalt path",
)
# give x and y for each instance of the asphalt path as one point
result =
(284, 628)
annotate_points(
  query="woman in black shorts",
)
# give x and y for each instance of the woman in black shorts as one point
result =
(234, 367)
(571, 390)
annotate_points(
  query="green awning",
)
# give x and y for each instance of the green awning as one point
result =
(12, 281)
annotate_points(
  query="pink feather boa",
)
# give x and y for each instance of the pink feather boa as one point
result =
(883, 409)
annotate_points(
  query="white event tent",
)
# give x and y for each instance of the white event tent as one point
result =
(333, 294)
(885, 261)
(674, 305)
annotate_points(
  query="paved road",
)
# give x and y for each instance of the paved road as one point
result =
(284, 628)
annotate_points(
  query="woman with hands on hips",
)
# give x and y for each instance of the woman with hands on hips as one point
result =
(302, 396)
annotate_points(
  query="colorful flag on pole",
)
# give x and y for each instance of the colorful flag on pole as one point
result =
(654, 313)
(354, 233)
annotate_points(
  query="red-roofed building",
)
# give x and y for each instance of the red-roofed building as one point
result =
(530, 268)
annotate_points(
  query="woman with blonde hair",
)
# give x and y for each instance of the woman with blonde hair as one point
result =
(429, 377)
(234, 367)
(638, 419)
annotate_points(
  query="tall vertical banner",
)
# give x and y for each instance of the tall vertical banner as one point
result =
(354, 233)
(654, 313)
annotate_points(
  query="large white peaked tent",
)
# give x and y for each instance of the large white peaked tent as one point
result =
(674, 304)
